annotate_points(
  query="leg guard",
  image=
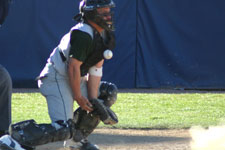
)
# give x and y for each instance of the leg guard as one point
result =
(30, 134)
(108, 92)
(85, 123)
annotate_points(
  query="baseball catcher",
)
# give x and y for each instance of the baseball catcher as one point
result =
(28, 134)
(73, 72)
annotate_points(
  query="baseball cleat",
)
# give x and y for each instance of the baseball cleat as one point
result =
(88, 146)
(8, 143)
(71, 145)
(83, 145)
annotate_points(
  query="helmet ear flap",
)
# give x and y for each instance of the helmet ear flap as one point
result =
(90, 15)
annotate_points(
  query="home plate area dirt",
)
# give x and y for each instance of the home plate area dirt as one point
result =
(116, 139)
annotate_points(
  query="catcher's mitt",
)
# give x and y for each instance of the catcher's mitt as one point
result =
(107, 116)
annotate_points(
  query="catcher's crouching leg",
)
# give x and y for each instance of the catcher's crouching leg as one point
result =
(29, 134)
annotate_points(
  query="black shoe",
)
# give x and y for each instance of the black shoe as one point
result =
(82, 145)
(88, 146)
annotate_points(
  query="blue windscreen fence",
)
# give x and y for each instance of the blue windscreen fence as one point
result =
(160, 43)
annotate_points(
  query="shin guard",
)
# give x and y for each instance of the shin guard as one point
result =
(29, 133)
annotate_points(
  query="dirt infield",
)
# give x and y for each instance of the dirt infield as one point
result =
(116, 139)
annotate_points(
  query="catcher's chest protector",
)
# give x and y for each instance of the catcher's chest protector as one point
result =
(100, 44)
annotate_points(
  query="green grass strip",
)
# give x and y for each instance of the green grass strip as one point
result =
(139, 111)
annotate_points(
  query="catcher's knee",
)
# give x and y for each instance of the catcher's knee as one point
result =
(30, 134)
(108, 92)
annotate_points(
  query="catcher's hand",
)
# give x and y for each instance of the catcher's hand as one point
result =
(84, 103)
(106, 115)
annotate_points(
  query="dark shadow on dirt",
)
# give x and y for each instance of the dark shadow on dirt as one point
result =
(131, 139)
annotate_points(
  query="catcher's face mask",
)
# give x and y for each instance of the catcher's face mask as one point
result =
(104, 17)
(98, 11)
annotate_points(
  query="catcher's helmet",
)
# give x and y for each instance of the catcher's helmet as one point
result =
(88, 11)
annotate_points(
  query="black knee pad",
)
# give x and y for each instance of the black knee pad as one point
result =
(108, 92)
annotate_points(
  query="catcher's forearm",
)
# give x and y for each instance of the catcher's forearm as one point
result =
(94, 81)
(93, 85)
(74, 77)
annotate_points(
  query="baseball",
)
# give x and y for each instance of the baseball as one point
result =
(108, 54)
